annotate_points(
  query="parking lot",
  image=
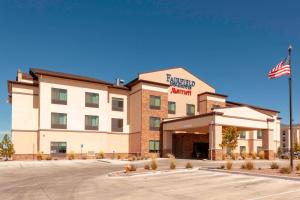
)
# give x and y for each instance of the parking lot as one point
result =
(89, 180)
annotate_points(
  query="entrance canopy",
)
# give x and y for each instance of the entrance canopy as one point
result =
(212, 123)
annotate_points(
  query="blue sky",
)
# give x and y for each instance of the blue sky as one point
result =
(229, 44)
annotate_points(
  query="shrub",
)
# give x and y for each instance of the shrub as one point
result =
(188, 165)
(234, 156)
(244, 155)
(298, 167)
(249, 165)
(153, 164)
(129, 168)
(285, 170)
(229, 165)
(100, 155)
(222, 167)
(39, 156)
(71, 155)
(84, 157)
(261, 155)
(147, 167)
(133, 158)
(253, 155)
(48, 158)
(274, 165)
(130, 159)
(172, 161)
(118, 156)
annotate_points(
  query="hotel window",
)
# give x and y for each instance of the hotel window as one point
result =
(59, 120)
(154, 123)
(154, 146)
(91, 100)
(116, 125)
(91, 122)
(117, 104)
(190, 109)
(259, 134)
(283, 139)
(171, 107)
(58, 96)
(242, 149)
(58, 148)
(283, 132)
(243, 135)
(259, 149)
(155, 102)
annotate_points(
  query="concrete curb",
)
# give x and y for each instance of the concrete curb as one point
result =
(252, 174)
(152, 173)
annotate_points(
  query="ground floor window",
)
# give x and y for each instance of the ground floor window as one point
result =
(242, 149)
(154, 146)
(58, 148)
(259, 149)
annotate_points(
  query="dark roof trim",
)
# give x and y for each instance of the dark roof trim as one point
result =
(255, 107)
(215, 94)
(35, 72)
(193, 117)
(136, 81)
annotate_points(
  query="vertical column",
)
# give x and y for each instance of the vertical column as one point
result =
(268, 144)
(215, 139)
(167, 143)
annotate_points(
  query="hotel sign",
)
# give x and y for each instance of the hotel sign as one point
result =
(180, 85)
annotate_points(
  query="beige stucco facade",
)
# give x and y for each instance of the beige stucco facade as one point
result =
(194, 126)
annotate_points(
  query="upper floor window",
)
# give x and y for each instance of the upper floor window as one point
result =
(116, 125)
(59, 120)
(154, 146)
(283, 132)
(154, 123)
(171, 107)
(259, 134)
(243, 135)
(155, 102)
(190, 109)
(58, 96)
(117, 104)
(91, 122)
(92, 100)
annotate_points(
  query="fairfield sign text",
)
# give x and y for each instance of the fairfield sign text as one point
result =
(180, 85)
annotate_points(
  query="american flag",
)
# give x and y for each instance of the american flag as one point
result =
(281, 69)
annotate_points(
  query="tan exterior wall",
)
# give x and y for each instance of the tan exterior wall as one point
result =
(25, 142)
(75, 107)
(180, 99)
(25, 108)
(92, 141)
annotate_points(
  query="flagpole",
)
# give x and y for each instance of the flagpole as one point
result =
(291, 110)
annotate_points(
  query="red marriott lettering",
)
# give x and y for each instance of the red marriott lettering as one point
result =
(181, 91)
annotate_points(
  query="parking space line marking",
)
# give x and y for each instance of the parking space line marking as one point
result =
(277, 194)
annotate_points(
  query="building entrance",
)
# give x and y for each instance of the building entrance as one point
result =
(200, 150)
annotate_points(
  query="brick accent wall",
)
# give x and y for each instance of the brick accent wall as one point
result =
(146, 133)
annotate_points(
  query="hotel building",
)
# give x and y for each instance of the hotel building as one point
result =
(285, 136)
(165, 111)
